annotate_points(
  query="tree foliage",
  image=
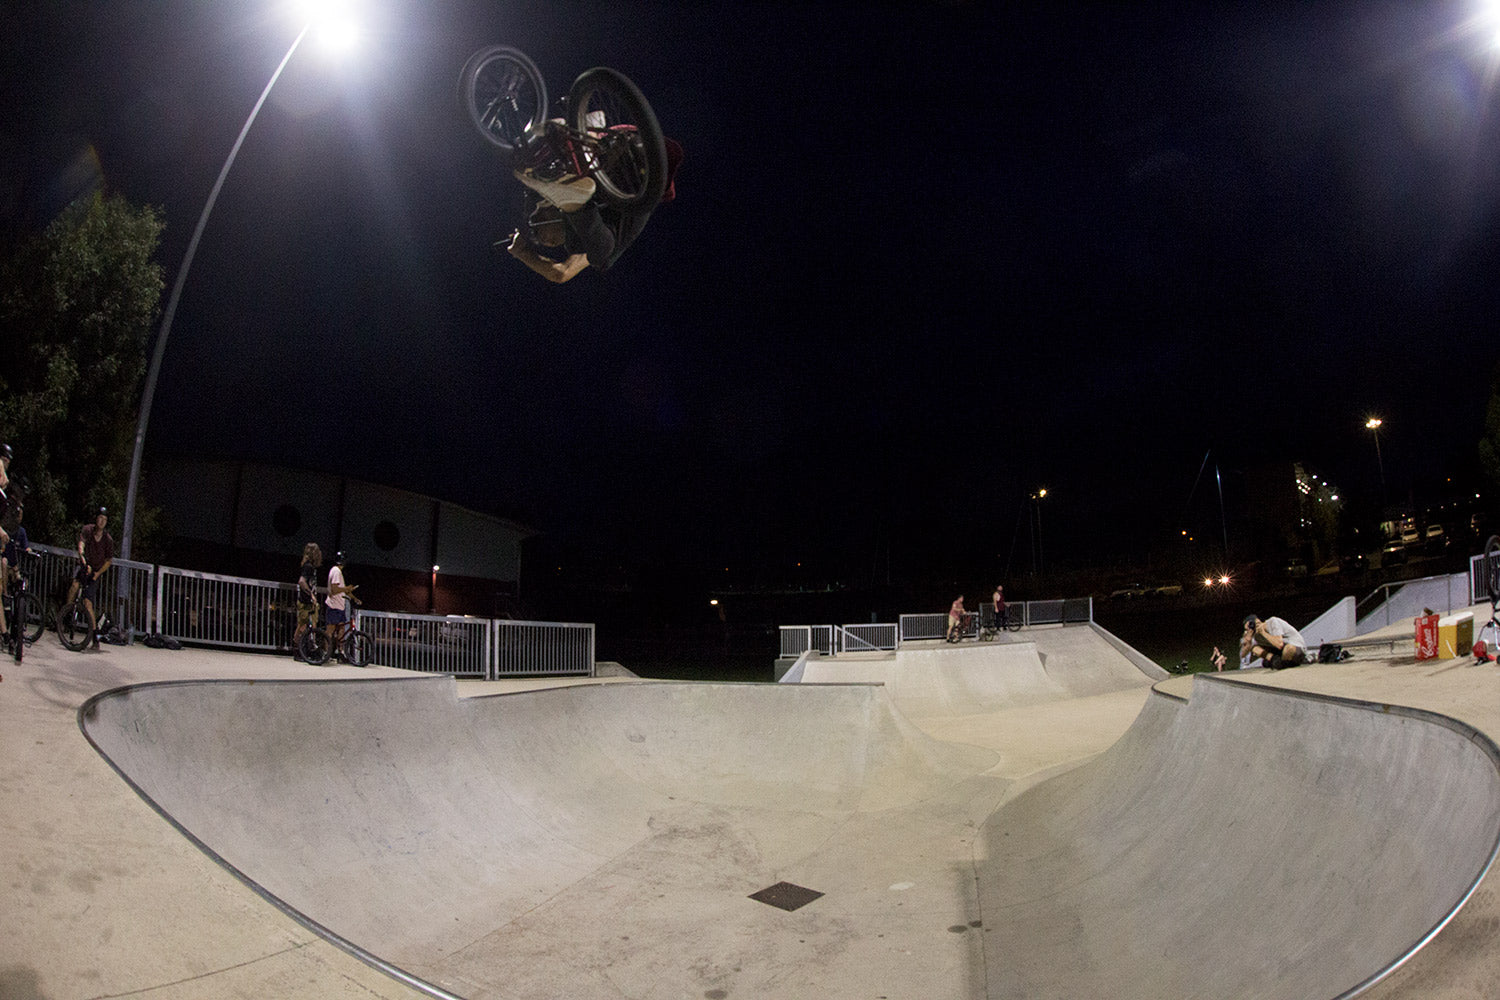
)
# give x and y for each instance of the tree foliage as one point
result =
(78, 302)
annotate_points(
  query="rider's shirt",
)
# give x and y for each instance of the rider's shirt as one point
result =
(336, 601)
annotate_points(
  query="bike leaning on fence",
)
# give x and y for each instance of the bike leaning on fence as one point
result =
(354, 647)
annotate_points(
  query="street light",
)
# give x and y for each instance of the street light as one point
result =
(1373, 425)
(331, 17)
(1036, 502)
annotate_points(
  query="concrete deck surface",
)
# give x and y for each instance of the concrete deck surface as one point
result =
(976, 832)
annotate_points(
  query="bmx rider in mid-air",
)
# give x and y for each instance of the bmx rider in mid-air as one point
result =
(568, 229)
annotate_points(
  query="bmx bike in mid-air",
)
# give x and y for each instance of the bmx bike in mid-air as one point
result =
(603, 128)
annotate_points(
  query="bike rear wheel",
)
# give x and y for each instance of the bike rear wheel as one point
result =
(628, 159)
(314, 645)
(73, 628)
(502, 94)
(358, 649)
(1012, 622)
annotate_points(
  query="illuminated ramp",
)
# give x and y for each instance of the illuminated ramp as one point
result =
(969, 678)
(1250, 842)
(662, 840)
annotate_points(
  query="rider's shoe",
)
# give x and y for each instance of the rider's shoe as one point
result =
(569, 193)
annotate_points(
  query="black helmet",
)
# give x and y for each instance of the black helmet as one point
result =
(6, 453)
(338, 559)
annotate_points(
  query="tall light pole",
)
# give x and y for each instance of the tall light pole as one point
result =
(1373, 425)
(149, 393)
(1036, 502)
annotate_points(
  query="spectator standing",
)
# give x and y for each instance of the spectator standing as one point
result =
(307, 596)
(337, 601)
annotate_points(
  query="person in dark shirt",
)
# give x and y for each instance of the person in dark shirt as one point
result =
(96, 552)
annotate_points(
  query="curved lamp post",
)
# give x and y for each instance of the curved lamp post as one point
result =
(149, 392)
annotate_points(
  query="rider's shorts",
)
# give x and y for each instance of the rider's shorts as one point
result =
(336, 616)
(307, 613)
(88, 585)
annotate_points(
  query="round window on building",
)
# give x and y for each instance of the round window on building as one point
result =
(287, 520)
(387, 536)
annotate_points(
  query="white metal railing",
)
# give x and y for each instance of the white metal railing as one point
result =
(1393, 602)
(127, 592)
(429, 643)
(210, 609)
(830, 640)
(214, 610)
(866, 637)
(530, 648)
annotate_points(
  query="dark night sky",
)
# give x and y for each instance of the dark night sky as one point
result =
(926, 257)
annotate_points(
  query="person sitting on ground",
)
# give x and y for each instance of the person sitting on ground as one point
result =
(568, 230)
(1272, 641)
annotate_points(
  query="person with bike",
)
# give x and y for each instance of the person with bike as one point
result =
(96, 553)
(956, 615)
(569, 230)
(307, 596)
(15, 543)
(336, 604)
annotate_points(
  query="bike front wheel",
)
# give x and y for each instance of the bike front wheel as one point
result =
(33, 618)
(1013, 623)
(503, 95)
(358, 649)
(314, 646)
(73, 628)
(628, 157)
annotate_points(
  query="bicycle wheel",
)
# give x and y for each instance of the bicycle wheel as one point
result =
(73, 627)
(314, 645)
(502, 94)
(34, 617)
(1492, 568)
(628, 160)
(1012, 621)
(358, 648)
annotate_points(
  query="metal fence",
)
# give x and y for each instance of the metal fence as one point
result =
(830, 640)
(209, 609)
(234, 612)
(1402, 601)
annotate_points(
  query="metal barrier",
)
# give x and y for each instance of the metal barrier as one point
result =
(213, 610)
(530, 648)
(866, 637)
(209, 609)
(1404, 600)
(127, 592)
(429, 643)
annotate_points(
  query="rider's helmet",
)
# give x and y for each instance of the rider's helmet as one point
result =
(6, 454)
(338, 559)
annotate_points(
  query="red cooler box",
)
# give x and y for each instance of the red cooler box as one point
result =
(1427, 637)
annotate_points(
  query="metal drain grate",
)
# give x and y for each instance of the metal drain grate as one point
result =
(786, 896)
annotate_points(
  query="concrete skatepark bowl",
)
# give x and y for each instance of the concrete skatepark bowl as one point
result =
(605, 841)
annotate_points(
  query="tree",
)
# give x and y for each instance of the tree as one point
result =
(78, 302)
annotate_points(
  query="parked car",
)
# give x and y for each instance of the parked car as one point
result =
(1354, 564)
(1436, 539)
(1394, 553)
